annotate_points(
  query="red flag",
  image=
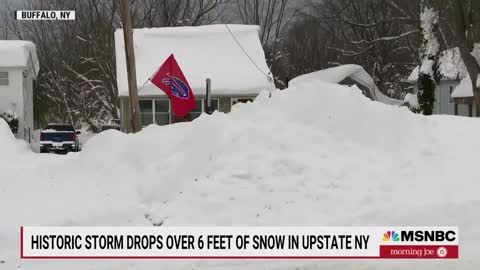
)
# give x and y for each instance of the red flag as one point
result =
(171, 80)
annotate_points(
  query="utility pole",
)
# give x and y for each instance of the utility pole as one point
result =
(131, 69)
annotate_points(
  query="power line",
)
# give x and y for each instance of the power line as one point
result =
(245, 52)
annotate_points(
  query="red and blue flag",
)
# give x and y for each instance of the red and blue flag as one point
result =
(170, 79)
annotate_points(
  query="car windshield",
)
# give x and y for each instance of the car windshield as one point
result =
(60, 127)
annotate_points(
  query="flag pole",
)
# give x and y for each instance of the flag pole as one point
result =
(149, 78)
(143, 85)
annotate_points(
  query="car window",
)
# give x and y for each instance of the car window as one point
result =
(60, 127)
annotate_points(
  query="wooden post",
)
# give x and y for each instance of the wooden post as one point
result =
(208, 97)
(131, 69)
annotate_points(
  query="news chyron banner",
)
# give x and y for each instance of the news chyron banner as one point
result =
(239, 242)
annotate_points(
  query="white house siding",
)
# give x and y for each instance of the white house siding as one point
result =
(17, 96)
(28, 117)
(12, 97)
(444, 104)
(19, 59)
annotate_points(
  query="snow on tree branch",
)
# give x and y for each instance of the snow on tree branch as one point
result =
(430, 47)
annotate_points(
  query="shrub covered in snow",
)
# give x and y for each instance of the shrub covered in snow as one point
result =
(411, 101)
(12, 120)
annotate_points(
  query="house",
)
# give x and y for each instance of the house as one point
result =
(19, 67)
(230, 55)
(349, 75)
(454, 94)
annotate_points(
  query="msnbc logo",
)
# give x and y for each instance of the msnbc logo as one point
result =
(391, 236)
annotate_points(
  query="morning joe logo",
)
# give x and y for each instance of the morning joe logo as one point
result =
(420, 236)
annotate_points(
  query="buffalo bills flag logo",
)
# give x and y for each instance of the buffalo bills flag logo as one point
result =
(179, 87)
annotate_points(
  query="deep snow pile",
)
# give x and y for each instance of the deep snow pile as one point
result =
(7, 142)
(314, 155)
(9, 146)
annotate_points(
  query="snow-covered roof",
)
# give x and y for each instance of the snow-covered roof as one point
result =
(19, 53)
(333, 74)
(464, 88)
(202, 52)
(452, 67)
(340, 73)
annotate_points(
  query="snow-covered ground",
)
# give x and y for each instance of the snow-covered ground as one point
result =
(314, 155)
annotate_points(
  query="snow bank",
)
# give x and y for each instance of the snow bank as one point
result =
(9, 146)
(302, 157)
(6, 137)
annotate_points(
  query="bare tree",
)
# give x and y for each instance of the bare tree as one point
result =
(77, 80)
(307, 46)
(467, 21)
(162, 13)
(3, 27)
(76, 59)
(274, 18)
(381, 35)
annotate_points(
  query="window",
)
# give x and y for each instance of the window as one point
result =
(146, 112)
(155, 111)
(202, 105)
(162, 112)
(3, 78)
(61, 127)
(241, 100)
(158, 111)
